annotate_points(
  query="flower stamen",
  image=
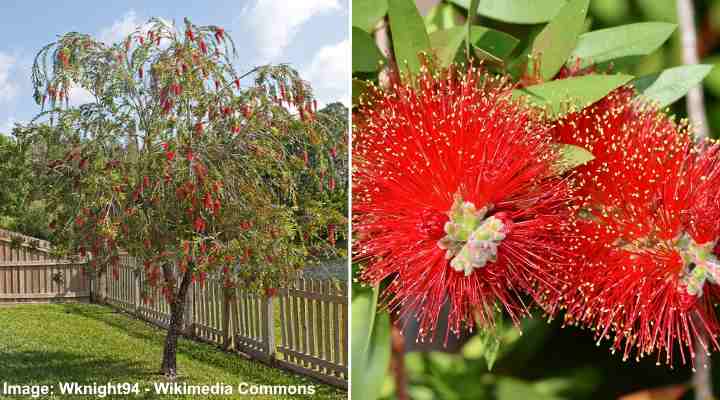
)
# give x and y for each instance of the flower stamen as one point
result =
(471, 240)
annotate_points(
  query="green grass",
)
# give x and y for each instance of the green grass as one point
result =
(47, 344)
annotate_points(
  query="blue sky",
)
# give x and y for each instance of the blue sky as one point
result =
(312, 35)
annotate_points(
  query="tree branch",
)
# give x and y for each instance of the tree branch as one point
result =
(688, 35)
(702, 379)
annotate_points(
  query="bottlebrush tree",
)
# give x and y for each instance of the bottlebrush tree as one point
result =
(183, 163)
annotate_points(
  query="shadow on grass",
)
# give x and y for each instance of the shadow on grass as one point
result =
(207, 354)
(51, 367)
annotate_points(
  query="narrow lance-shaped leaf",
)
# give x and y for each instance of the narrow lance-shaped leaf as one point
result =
(366, 13)
(671, 84)
(442, 16)
(365, 54)
(408, 33)
(370, 344)
(472, 12)
(571, 156)
(516, 11)
(622, 41)
(554, 44)
(446, 43)
(359, 87)
(572, 93)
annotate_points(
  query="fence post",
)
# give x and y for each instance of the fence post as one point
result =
(136, 295)
(227, 338)
(189, 320)
(268, 324)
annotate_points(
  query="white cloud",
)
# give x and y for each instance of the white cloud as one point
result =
(120, 28)
(127, 24)
(8, 89)
(275, 23)
(7, 126)
(329, 72)
(79, 96)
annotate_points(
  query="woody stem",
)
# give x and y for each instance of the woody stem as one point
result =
(701, 379)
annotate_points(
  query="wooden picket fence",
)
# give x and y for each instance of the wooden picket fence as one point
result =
(303, 329)
(28, 273)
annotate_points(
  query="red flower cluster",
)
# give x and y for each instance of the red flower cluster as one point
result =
(455, 197)
(647, 231)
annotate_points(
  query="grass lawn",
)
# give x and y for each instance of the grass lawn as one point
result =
(47, 344)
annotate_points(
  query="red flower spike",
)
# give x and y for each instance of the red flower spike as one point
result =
(435, 162)
(648, 276)
(199, 224)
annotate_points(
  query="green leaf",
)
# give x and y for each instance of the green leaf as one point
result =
(497, 43)
(366, 13)
(611, 12)
(472, 13)
(446, 43)
(554, 44)
(359, 87)
(622, 41)
(442, 16)
(572, 93)
(516, 11)
(408, 33)
(516, 389)
(712, 80)
(571, 156)
(671, 84)
(365, 54)
(370, 344)
(487, 44)
(483, 345)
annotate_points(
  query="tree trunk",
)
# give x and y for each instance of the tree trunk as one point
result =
(177, 316)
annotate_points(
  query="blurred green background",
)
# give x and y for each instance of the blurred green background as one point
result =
(548, 362)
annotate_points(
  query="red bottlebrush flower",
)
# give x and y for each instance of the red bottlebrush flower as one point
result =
(203, 47)
(270, 292)
(208, 202)
(199, 128)
(190, 156)
(219, 32)
(331, 234)
(199, 224)
(189, 34)
(237, 84)
(455, 197)
(647, 280)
